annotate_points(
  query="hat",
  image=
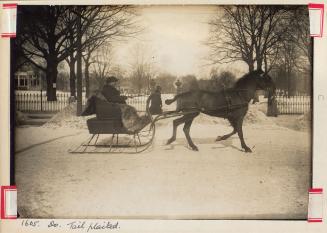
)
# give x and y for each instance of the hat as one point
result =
(111, 79)
(158, 88)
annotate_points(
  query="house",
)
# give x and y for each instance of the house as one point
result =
(27, 80)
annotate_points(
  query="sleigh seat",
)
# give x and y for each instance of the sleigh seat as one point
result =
(108, 119)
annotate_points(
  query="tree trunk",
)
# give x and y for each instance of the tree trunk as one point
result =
(51, 75)
(289, 83)
(251, 66)
(266, 64)
(87, 78)
(79, 68)
(72, 76)
(256, 95)
(259, 64)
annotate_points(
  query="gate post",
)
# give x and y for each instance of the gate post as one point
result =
(41, 102)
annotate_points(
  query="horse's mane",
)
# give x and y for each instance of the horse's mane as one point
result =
(240, 83)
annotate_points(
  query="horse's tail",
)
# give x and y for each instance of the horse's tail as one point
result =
(169, 101)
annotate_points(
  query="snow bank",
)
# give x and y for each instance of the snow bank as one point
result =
(303, 122)
(253, 116)
(20, 118)
(205, 119)
(256, 116)
(67, 118)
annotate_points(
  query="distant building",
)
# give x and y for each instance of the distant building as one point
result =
(27, 80)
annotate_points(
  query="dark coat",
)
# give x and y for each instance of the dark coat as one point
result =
(112, 94)
(155, 103)
(272, 105)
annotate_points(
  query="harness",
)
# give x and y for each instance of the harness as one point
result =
(228, 99)
(230, 106)
(225, 109)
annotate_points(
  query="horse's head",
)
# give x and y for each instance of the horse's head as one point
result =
(264, 81)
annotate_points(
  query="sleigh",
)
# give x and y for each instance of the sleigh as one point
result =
(108, 122)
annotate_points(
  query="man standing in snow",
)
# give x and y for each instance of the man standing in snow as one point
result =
(155, 101)
(272, 109)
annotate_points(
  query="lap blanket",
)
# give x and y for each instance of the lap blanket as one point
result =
(131, 119)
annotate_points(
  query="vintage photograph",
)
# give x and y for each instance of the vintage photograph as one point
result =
(162, 112)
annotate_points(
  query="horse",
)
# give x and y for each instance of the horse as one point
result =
(229, 103)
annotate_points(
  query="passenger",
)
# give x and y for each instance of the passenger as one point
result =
(155, 102)
(110, 92)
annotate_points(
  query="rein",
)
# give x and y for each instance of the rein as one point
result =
(228, 108)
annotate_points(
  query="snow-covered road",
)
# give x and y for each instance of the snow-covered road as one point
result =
(218, 182)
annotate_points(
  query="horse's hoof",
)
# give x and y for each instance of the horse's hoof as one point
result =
(169, 141)
(195, 148)
(247, 150)
(219, 138)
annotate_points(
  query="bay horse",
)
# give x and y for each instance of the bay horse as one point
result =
(230, 103)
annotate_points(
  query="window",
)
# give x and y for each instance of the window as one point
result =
(22, 82)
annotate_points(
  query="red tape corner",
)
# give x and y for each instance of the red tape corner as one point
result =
(9, 7)
(3, 202)
(315, 215)
(318, 6)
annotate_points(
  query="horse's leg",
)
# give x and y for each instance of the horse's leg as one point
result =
(176, 123)
(224, 137)
(240, 134)
(186, 129)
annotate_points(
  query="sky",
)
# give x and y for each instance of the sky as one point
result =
(173, 39)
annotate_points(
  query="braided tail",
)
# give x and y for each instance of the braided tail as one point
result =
(169, 101)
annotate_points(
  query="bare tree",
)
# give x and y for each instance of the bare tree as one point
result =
(300, 35)
(48, 35)
(41, 33)
(142, 68)
(102, 64)
(229, 41)
(294, 58)
(104, 24)
(249, 33)
(89, 50)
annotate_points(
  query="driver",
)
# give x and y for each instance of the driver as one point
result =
(110, 92)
